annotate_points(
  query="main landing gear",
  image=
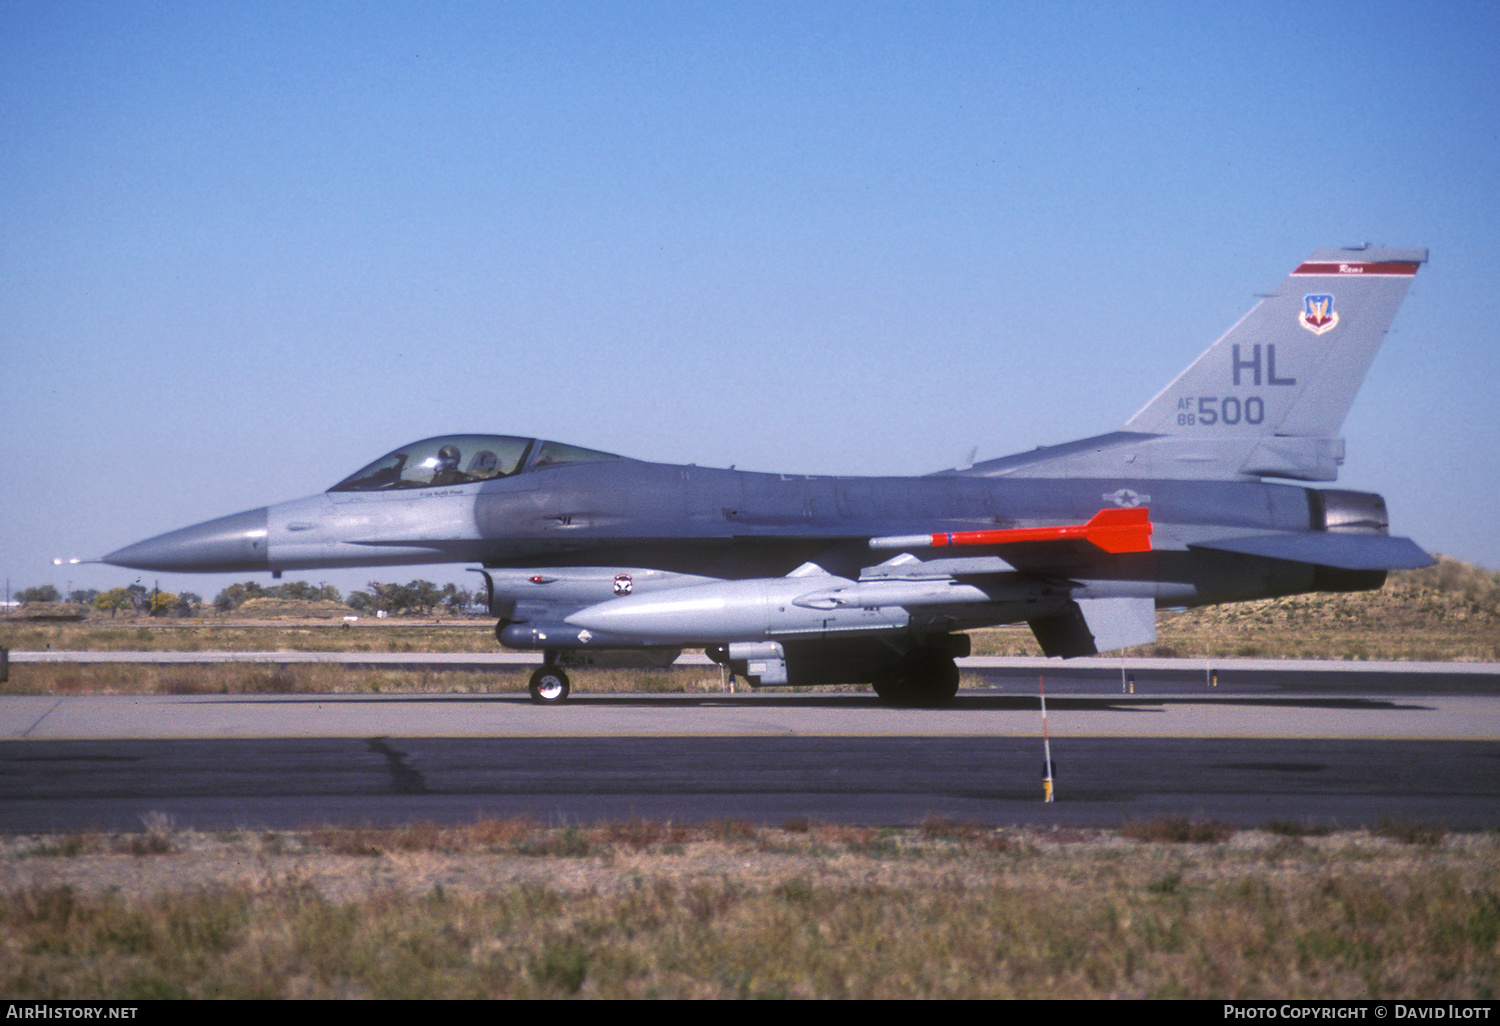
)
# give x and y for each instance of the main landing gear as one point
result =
(925, 678)
(549, 684)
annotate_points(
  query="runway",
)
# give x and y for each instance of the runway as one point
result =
(1264, 745)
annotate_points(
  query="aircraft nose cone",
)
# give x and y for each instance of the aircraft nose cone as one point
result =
(226, 545)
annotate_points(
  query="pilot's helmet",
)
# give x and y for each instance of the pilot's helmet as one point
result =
(447, 458)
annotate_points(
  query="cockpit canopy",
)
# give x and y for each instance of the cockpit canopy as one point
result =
(463, 459)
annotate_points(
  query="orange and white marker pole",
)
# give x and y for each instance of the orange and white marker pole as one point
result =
(1046, 744)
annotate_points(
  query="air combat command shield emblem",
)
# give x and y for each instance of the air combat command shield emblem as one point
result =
(1317, 314)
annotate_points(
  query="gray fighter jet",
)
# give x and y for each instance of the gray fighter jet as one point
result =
(789, 579)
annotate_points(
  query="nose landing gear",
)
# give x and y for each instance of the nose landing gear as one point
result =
(549, 684)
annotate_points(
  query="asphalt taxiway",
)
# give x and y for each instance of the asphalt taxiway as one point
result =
(1345, 747)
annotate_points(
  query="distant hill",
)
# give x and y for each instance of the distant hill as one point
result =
(1449, 592)
(48, 611)
(298, 609)
(1453, 576)
(1447, 611)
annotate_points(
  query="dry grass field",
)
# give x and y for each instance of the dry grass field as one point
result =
(513, 909)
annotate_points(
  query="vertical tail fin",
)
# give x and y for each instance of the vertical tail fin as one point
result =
(1268, 398)
(1292, 365)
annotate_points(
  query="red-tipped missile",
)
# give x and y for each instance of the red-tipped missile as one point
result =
(1113, 530)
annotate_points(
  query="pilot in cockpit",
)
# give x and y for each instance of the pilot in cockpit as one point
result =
(447, 472)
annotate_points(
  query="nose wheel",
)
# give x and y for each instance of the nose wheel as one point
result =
(549, 685)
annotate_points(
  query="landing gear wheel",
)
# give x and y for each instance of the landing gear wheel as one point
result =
(925, 678)
(549, 685)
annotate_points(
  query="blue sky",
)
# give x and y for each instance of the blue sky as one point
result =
(246, 248)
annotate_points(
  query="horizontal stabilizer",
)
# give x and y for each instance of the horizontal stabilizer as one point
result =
(1344, 551)
(1113, 530)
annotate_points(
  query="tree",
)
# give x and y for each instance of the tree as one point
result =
(42, 593)
(413, 596)
(424, 595)
(236, 595)
(163, 602)
(383, 596)
(114, 600)
(457, 599)
(83, 596)
(298, 591)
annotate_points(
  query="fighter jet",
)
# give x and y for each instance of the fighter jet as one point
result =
(1200, 498)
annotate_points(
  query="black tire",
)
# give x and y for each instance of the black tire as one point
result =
(926, 678)
(889, 688)
(549, 685)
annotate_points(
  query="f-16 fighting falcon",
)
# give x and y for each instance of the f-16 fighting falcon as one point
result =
(821, 580)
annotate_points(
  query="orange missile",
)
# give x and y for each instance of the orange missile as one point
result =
(1113, 530)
